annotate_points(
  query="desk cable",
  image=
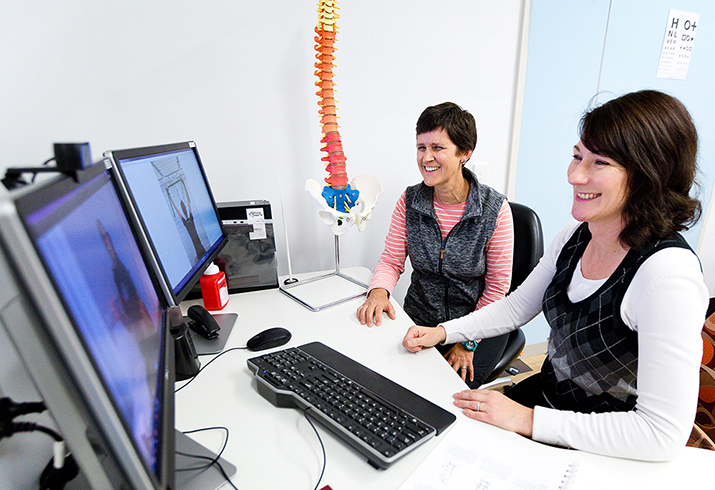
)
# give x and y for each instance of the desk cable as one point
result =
(62, 468)
(215, 460)
(211, 461)
(322, 447)
(207, 365)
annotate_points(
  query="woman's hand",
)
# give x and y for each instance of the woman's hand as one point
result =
(461, 361)
(418, 337)
(494, 408)
(377, 303)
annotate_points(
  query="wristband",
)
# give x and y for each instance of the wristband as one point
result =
(470, 345)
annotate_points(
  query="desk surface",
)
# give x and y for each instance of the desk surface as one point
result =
(276, 447)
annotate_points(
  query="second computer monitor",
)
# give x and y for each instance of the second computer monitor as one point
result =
(173, 204)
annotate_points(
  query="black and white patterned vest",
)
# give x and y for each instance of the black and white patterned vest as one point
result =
(592, 359)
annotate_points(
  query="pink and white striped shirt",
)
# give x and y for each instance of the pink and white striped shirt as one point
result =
(499, 249)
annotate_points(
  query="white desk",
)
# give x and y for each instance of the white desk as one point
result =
(276, 448)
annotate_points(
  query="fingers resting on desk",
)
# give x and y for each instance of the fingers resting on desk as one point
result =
(496, 409)
(376, 303)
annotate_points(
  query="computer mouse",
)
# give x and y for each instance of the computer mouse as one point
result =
(202, 322)
(273, 337)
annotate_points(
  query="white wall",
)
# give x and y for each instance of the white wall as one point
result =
(237, 77)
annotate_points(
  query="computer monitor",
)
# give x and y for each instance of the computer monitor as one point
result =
(83, 311)
(172, 202)
(82, 308)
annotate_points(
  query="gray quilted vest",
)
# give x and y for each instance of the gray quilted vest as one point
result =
(448, 275)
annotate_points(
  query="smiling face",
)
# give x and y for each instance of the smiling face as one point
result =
(600, 188)
(439, 160)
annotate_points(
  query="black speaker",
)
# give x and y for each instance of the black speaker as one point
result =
(185, 358)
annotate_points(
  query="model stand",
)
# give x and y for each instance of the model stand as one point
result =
(292, 283)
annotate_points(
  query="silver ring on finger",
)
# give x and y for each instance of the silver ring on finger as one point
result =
(463, 368)
(479, 404)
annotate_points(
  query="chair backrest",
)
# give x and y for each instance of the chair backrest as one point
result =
(528, 242)
(528, 249)
(704, 429)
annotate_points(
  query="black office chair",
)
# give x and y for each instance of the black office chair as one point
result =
(528, 249)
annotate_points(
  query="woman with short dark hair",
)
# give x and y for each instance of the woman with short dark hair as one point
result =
(621, 289)
(459, 236)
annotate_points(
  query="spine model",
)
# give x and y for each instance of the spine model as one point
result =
(337, 193)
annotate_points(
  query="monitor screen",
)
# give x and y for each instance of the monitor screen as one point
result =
(108, 327)
(172, 201)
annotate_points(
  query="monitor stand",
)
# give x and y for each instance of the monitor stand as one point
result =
(200, 476)
(205, 346)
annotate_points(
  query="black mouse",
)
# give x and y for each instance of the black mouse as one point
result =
(273, 337)
(202, 322)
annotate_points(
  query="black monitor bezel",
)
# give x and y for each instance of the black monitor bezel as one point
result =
(173, 296)
(32, 200)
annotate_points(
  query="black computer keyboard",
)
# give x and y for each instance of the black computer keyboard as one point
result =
(379, 418)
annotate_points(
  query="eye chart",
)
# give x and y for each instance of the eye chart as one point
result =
(678, 44)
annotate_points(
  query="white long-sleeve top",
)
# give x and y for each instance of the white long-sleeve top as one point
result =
(666, 304)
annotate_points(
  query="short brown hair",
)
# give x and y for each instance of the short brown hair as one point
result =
(457, 122)
(653, 136)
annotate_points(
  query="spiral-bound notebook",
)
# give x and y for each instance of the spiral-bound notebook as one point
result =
(468, 456)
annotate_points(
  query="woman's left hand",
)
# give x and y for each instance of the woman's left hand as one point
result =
(461, 361)
(494, 408)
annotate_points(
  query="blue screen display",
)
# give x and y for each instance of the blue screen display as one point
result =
(86, 243)
(177, 210)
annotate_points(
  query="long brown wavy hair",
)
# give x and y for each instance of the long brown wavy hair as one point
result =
(653, 136)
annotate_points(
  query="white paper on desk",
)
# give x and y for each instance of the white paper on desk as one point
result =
(470, 457)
